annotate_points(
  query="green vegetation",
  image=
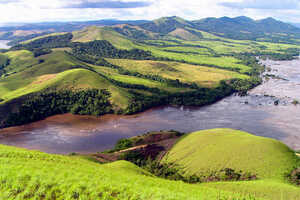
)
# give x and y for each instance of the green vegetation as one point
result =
(126, 69)
(39, 106)
(51, 41)
(97, 33)
(186, 73)
(240, 151)
(207, 152)
(102, 48)
(169, 61)
(4, 61)
(34, 175)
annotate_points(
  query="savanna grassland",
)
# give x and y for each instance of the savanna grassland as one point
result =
(128, 68)
(138, 66)
(206, 152)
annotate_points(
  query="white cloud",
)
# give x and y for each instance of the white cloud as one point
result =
(55, 10)
(264, 4)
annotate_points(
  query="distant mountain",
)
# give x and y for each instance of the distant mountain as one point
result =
(243, 28)
(246, 28)
(28, 31)
(296, 24)
(166, 25)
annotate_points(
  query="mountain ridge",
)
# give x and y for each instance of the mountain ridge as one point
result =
(241, 27)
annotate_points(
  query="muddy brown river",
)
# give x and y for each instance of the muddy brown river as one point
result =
(255, 113)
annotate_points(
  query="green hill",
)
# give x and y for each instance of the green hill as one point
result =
(247, 28)
(28, 175)
(165, 25)
(216, 149)
(178, 65)
(206, 153)
(242, 28)
(99, 33)
(186, 34)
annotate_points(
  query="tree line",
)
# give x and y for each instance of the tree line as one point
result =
(41, 105)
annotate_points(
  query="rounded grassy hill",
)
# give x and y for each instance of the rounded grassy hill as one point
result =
(213, 150)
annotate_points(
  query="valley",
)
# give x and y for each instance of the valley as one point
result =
(83, 134)
(162, 109)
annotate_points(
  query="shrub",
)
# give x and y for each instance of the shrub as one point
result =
(295, 102)
(123, 144)
(294, 177)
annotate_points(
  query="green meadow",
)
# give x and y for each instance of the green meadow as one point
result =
(203, 152)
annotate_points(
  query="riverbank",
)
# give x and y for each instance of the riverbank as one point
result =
(255, 113)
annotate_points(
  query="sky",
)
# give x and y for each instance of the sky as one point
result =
(19, 11)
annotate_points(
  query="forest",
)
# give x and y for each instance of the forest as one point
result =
(41, 105)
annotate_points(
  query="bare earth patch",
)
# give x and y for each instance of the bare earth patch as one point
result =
(44, 78)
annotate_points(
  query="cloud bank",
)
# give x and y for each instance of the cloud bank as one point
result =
(109, 4)
(81, 10)
(264, 4)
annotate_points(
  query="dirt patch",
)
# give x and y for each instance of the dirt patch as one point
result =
(25, 33)
(43, 78)
(152, 145)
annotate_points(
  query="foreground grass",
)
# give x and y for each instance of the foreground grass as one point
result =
(34, 175)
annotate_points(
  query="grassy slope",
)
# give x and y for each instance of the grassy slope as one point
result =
(24, 69)
(56, 72)
(216, 149)
(223, 61)
(43, 36)
(120, 41)
(99, 33)
(19, 60)
(203, 76)
(184, 34)
(220, 148)
(34, 175)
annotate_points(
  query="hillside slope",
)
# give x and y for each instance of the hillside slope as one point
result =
(242, 27)
(186, 66)
(30, 175)
(102, 33)
(206, 153)
(216, 149)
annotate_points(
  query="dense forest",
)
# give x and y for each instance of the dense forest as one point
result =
(103, 48)
(41, 105)
(48, 42)
(4, 61)
(199, 97)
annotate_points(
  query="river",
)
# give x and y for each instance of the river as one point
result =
(3, 44)
(255, 113)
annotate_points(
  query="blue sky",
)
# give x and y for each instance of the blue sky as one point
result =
(80, 10)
